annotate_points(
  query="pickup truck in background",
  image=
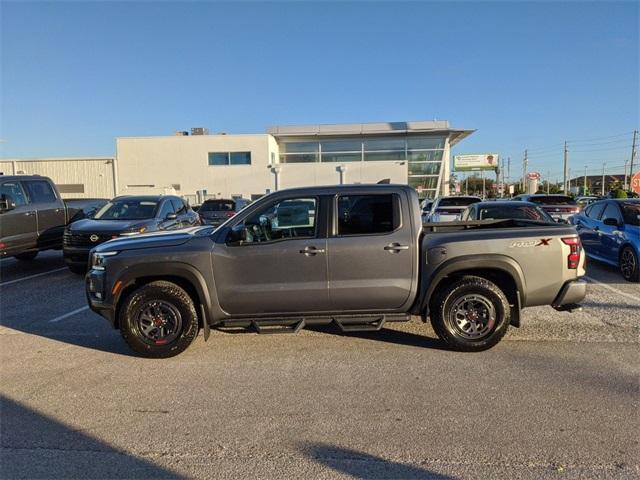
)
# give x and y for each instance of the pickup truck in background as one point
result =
(356, 256)
(33, 215)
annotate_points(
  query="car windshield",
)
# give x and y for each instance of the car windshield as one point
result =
(127, 209)
(553, 200)
(631, 213)
(457, 201)
(218, 206)
(499, 212)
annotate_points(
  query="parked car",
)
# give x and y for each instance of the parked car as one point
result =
(33, 215)
(124, 217)
(425, 209)
(449, 209)
(504, 210)
(217, 211)
(610, 233)
(359, 258)
(560, 207)
(585, 201)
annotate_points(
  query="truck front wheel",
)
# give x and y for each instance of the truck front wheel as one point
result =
(159, 320)
(471, 314)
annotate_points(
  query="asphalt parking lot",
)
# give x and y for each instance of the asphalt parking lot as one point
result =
(557, 399)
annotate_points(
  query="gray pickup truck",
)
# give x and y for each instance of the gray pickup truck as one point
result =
(357, 256)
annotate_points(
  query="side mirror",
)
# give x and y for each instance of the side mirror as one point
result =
(171, 216)
(612, 222)
(237, 235)
(6, 203)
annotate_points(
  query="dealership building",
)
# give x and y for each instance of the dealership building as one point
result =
(202, 165)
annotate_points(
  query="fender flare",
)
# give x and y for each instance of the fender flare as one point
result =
(171, 269)
(473, 262)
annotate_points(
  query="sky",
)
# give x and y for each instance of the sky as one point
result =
(75, 75)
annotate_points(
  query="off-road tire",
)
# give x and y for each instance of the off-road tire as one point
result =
(442, 313)
(632, 275)
(26, 256)
(170, 294)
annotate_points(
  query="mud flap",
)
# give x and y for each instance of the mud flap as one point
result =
(206, 330)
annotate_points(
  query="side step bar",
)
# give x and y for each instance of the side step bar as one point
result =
(359, 324)
(293, 327)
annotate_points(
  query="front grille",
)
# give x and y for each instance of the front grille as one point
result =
(84, 239)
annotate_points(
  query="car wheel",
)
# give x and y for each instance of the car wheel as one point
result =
(78, 269)
(629, 266)
(26, 256)
(158, 320)
(471, 314)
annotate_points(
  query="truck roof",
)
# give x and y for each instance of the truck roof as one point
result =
(23, 177)
(356, 187)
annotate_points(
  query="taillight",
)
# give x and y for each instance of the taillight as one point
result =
(229, 214)
(573, 260)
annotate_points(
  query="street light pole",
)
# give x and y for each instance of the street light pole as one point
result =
(603, 166)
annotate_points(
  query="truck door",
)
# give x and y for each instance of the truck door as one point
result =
(371, 252)
(50, 212)
(280, 266)
(18, 224)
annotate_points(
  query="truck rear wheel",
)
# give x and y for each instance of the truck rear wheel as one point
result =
(159, 320)
(471, 314)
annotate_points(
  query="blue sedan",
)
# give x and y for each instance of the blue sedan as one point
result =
(610, 232)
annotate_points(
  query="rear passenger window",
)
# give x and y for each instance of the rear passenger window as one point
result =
(367, 214)
(595, 210)
(40, 191)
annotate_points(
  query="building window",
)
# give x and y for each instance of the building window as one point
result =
(229, 158)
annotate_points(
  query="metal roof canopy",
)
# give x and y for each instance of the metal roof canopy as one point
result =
(378, 128)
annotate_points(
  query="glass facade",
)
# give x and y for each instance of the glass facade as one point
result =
(423, 154)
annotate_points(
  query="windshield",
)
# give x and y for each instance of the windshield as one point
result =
(520, 212)
(218, 206)
(457, 201)
(553, 200)
(631, 213)
(127, 209)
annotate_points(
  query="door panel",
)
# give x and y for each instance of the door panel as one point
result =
(371, 271)
(50, 212)
(18, 227)
(280, 266)
(610, 236)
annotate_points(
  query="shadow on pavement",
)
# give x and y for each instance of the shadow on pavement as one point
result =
(363, 465)
(37, 446)
(388, 336)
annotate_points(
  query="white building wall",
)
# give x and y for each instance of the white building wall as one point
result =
(155, 164)
(94, 173)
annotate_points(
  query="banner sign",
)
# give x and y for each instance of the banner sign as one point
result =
(482, 161)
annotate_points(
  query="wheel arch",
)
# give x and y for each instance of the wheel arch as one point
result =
(503, 271)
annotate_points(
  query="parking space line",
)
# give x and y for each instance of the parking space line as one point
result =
(615, 290)
(69, 314)
(32, 276)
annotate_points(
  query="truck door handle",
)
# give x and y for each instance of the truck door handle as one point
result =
(29, 214)
(396, 247)
(309, 251)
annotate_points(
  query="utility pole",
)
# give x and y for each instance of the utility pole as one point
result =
(548, 180)
(569, 186)
(625, 185)
(566, 165)
(525, 164)
(584, 181)
(633, 152)
(603, 166)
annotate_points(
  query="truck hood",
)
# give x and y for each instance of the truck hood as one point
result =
(150, 240)
(88, 225)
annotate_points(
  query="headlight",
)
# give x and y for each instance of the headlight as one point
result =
(133, 232)
(98, 259)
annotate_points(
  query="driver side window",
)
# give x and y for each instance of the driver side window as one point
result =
(13, 191)
(290, 218)
(166, 209)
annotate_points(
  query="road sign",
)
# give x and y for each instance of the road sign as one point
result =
(533, 175)
(635, 183)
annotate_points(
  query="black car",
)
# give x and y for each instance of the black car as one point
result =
(122, 217)
(506, 210)
(217, 211)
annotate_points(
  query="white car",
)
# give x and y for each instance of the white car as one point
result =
(449, 209)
